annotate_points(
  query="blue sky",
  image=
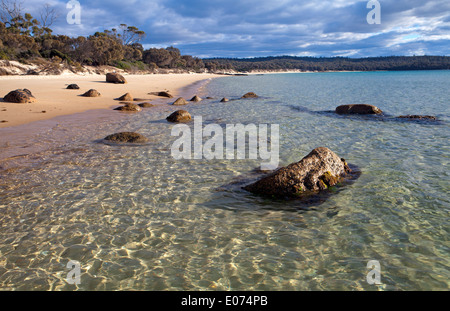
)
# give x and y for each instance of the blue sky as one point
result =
(252, 28)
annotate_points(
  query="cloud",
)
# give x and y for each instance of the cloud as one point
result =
(247, 28)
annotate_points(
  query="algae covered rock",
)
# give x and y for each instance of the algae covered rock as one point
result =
(320, 169)
(126, 137)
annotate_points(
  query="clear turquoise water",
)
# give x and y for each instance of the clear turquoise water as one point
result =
(137, 219)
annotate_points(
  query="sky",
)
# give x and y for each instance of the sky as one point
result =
(258, 28)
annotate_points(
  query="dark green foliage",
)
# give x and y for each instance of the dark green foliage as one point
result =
(329, 64)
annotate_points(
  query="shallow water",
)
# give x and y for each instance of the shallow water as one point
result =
(135, 218)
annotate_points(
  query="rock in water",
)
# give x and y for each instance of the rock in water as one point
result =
(126, 97)
(250, 95)
(180, 102)
(358, 109)
(91, 93)
(162, 94)
(179, 116)
(20, 96)
(224, 100)
(165, 94)
(115, 78)
(418, 117)
(73, 87)
(320, 169)
(129, 107)
(127, 137)
(145, 105)
(196, 99)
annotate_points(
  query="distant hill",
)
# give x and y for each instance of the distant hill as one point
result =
(286, 63)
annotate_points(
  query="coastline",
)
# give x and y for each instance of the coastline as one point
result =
(54, 100)
(32, 132)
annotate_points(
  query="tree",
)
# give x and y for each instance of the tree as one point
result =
(48, 16)
(10, 11)
(128, 35)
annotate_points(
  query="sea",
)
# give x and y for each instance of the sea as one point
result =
(79, 214)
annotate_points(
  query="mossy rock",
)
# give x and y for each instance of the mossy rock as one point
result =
(126, 137)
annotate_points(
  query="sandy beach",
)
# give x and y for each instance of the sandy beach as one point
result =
(53, 99)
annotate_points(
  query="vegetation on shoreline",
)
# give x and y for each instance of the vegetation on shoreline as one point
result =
(28, 40)
(281, 63)
(31, 41)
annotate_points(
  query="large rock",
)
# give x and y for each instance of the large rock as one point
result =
(179, 116)
(21, 96)
(358, 109)
(180, 102)
(250, 95)
(129, 107)
(114, 77)
(126, 137)
(320, 169)
(92, 93)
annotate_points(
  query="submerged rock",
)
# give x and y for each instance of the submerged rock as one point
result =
(179, 116)
(250, 95)
(180, 102)
(358, 109)
(196, 99)
(20, 96)
(320, 169)
(114, 77)
(91, 93)
(129, 107)
(418, 117)
(126, 137)
(73, 87)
